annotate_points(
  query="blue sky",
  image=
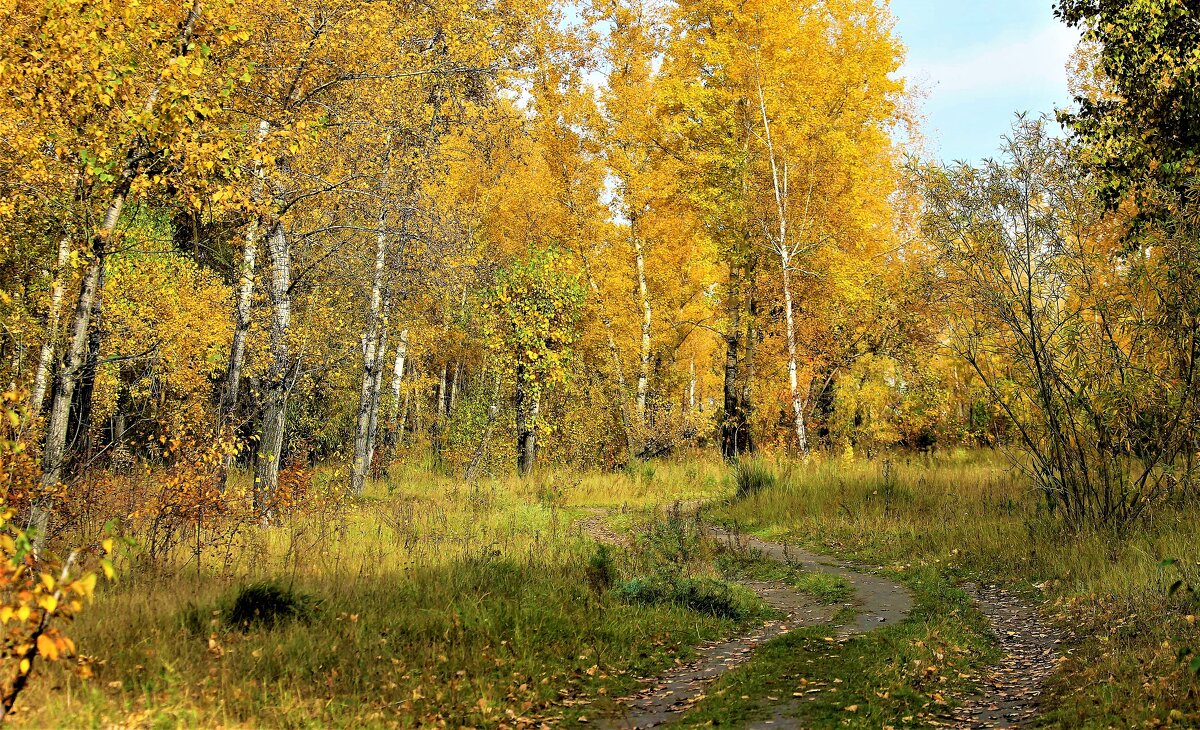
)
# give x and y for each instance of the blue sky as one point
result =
(978, 62)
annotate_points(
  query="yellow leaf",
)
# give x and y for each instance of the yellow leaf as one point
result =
(87, 584)
(24, 666)
(47, 648)
(50, 603)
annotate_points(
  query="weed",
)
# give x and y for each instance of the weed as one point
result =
(752, 476)
(702, 595)
(601, 570)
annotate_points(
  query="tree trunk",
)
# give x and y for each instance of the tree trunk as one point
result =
(779, 182)
(79, 435)
(732, 420)
(376, 389)
(692, 385)
(241, 314)
(453, 389)
(618, 366)
(398, 375)
(746, 439)
(793, 378)
(75, 356)
(372, 364)
(441, 393)
(278, 381)
(46, 356)
(643, 384)
(526, 407)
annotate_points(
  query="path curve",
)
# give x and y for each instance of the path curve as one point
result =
(879, 602)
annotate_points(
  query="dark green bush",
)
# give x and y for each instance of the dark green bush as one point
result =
(752, 476)
(267, 604)
(601, 570)
(703, 595)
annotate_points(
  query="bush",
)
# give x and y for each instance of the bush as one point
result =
(601, 570)
(703, 595)
(268, 604)
(753, 476)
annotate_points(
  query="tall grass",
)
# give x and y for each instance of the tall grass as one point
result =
(970, 510)
(427, 602)
(969, 516)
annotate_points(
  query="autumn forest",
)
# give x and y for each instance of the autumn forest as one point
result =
(617, 363)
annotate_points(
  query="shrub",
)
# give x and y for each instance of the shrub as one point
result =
(703, 595)
(601, 570)
(268, 604)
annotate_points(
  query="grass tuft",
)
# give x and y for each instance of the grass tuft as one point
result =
(752, 476)
(268, 604)
(702, 595)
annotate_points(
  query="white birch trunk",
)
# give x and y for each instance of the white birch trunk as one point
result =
(277, 383)
(54, 451)
(376, 389)
(46, 356)
(245, 297)
(398, 375)
(643, 384)
(692, 384)
(372, 362)
(783, 247)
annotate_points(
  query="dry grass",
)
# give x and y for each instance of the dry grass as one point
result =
(968, 515)
(435, 603)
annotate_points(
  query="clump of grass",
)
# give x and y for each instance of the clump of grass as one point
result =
(702, 595)
(752, 476)
(601, 570)
(639, 471)
(268, 604)
(750, 565)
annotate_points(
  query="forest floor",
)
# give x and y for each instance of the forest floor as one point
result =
(584, 600)
(1006, 698)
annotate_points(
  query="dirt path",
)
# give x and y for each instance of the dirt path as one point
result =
(879, 602)
(1011, 689)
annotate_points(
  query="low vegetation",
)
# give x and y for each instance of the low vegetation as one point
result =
(963, 516)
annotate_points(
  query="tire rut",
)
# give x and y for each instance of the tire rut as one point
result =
(879, 602)
(1009, 690)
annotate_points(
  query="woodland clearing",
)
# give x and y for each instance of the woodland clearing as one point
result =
(488, 606)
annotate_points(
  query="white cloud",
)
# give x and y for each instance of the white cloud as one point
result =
(1037, 62)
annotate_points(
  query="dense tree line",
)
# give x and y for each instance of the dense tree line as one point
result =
(506, 232)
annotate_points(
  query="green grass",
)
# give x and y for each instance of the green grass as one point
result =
(434, 602)
(902, 675)
(968, 516)
(425, 603)
(827, 588)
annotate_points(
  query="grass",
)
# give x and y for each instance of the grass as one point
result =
(902, 676)
(967, 516)
(427, 603)
(430, 602)
(827, 588)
